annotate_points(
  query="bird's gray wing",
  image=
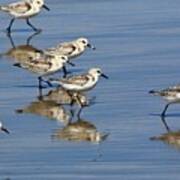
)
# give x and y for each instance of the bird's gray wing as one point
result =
(78, 80)
(37, 66)
(20, 7)
(64, 49)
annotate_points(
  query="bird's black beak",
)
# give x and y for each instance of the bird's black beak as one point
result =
(70, 63)
(104, 76)
(45, 7)
(91, 46)
(104, 136)
(5, 130)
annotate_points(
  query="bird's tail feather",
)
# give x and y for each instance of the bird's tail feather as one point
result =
(4, 8)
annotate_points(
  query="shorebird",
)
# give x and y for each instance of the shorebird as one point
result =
(2, 128)
(71, 49)
(171, 95)
(44, 66)
(23, 10)
(80, 83)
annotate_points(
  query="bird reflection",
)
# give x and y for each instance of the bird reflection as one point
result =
(81, 130)
(47, 108)
(53, 105)
(171, 137)
(22, 53)
(61, 96)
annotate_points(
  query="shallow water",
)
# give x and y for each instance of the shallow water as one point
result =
(138, 47)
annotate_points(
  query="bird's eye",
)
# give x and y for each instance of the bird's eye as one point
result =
(98, 71)
(83, 41)
(38, 2)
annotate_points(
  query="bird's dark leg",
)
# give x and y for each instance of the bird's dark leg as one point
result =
(165, 109)
(65, 72)
(165, 124)
(11, 40)
(71, 97)
(40, 82)
(32, 36)
(79, 113)
(48, 83)
(40, 96)
(33, 27)
(8, 29)
(81, 107)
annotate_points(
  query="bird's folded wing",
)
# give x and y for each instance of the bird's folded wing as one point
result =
(76, 80)
(20, 7)
(66, 49)
(175, 88)
(171, 89)
(37, 66)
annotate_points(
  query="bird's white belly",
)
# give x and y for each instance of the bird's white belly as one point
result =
(73, 87)
(24, 15)
(173, 98)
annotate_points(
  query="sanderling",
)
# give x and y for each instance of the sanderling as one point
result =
(82, 82)
(23, 10)
(44, 66)
(71, 49)
(171, 95)
(2, 128)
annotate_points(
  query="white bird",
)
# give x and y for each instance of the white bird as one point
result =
(23, 10)
(71, 49)
(44, 66)
(171, 95)
(2, 128)
(78, 83)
